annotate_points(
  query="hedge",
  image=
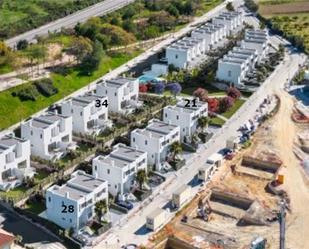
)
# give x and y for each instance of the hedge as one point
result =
(46, 87)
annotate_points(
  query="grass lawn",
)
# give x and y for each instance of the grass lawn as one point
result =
(40, 175)
(35, 208)
(5, 69)
(12, 110)
(238, 103)
(14, 192)
(216, 121)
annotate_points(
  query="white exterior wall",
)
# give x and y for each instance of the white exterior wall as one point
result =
(187, 121)
(230, 72)
(157, 147)
(14, 162)
(178, 57)
(119, 179)
(82, 115)
(260, 47)
(41, 138)
(209, 38)
(121, 96)
(83, 207)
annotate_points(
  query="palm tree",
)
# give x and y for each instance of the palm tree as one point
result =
(175, 149)
(100, 209)
(141, 177)
(203, 122)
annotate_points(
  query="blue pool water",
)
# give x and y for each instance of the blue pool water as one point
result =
(302, 94)
(145, 79)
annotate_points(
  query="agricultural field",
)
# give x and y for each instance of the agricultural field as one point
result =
(18, 16)
(289, 18)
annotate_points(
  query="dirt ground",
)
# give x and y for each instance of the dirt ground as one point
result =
(277, 135)
(296, 182)
(284, 8)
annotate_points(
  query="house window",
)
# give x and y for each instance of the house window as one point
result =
(71, 110)
(63, 218)
(106, 91)
(115, 186)
(183, 129)
(177, 117)
(166, 115)
(95, 168)
(115, 94)
(41, 136)
(134, 139)
(70, 220)
(108, 171)
(81, 113)
(176, 56)
(146, 142)
(49, 199)
(31, 133)
(229, 73)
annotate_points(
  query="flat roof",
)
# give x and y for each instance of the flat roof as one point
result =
(127, 152)
(74, 193)
(118, 82)
(45, 120)
(85, 180)
(85, 100)
(160, 127)
(9, 141)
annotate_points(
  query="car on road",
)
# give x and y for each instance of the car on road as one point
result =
(126, 204)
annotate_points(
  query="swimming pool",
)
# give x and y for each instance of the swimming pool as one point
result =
(146, 78)
(302, 94)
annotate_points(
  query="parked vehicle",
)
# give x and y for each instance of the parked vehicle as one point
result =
(126, 204)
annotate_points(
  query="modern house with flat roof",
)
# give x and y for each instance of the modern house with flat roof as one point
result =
(184, 51)
(231, 20)
(14, 161)
(234, 66)
(119, 168)
(122, 94)
(72, 204)
(50, 135)
(89, 113)
(185, 115)
(155, 139)
(258, 40)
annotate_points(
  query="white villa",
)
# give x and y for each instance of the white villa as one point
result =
(185, 115)
(234, 66)
(72, 204)
(258, 40)
(231, 20)
(119, 168)
(155, 139)
(122, 94)
(14, 161)
(50, 135)
(184, 51)
(89, 114)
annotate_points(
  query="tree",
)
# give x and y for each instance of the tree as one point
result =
(262, 25)
(201, 93)
(172, 10)
(233, 92)
(203, 122)
(22, 44)
(175, 149)
(225, 104)
(80, 48)
(159, 88)
(143, 88)
(175, 88)
(37, 53)
(100, 209)
(141, 177)
(230, 7)
(92, 61)
(213, 105)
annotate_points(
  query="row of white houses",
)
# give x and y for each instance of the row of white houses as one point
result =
(235, 65)
(185, 51)
(49, 135)
(116, 173)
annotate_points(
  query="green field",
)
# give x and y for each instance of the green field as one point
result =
(12, 110)
(17, 16)
(238, 103)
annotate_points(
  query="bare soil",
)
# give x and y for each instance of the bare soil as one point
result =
(285, 8)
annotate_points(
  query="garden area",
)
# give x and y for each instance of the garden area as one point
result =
(14, 109)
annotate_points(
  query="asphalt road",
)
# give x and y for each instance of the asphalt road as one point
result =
(32, 235)
(98, 9)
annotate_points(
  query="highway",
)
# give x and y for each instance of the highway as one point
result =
(98, 9)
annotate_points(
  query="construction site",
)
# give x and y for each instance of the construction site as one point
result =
(260, 196)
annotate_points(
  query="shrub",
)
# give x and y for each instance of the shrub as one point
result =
(225, 104)
(201, 93)
(143, 88)
(213, 104)
(174, 88)
(29, 92)
(46, 87)
(233, 92)
(159, 88)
